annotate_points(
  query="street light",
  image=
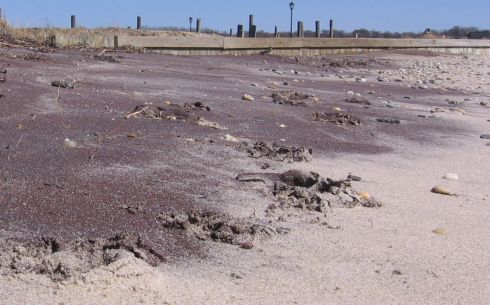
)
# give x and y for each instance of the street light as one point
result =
(291, 6)
(190, 24)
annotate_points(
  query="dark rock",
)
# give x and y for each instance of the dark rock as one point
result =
(63, 84)
(485, 136)
(298, 178)
(3, 71)
(201, 105)
(354, 178)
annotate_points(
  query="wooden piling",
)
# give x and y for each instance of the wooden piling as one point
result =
(116, 42)
(301, 32)
(253, 33)
(239, 32)
(276, 33)
(198, 26)
(138, 23)
(331, 28)
(250, 25)
(318, 29)
(73, 21)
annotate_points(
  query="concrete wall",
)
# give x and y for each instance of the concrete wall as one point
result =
(216, 45)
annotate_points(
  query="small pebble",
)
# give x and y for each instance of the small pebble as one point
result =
(67, 143)
(248, 97)
(439, 231)
(451, 176)
(247, 246)
(441, 190)
(365, 196)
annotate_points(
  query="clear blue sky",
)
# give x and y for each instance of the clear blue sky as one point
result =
(394, 15)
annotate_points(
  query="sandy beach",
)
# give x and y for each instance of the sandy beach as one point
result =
(164, 194)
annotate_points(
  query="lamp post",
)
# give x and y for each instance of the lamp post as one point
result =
(291, 6)
(190, 24)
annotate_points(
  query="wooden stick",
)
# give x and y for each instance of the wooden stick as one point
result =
(136, 113)
(17, 145)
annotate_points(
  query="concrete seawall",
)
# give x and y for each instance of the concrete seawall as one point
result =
(216, 45)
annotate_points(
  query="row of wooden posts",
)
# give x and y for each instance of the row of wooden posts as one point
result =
(252, 28)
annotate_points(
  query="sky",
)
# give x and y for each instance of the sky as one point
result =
(392, 15)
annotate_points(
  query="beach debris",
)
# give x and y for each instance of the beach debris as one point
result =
(131, 135)
(205, 123)
(169, 112)
(310, 191)
(63, 84)
(197, 105)
(338, 118)
(230, 138)
(442, 191)
(278, 152)
(67, 143)
(213, 226)
(451, 176)
(3, 71)
(290, 98)
(356, 100)
(485, 136)
(106, 58)
(354, 178)
(248, 97)
(60, 260)
(389, 121)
